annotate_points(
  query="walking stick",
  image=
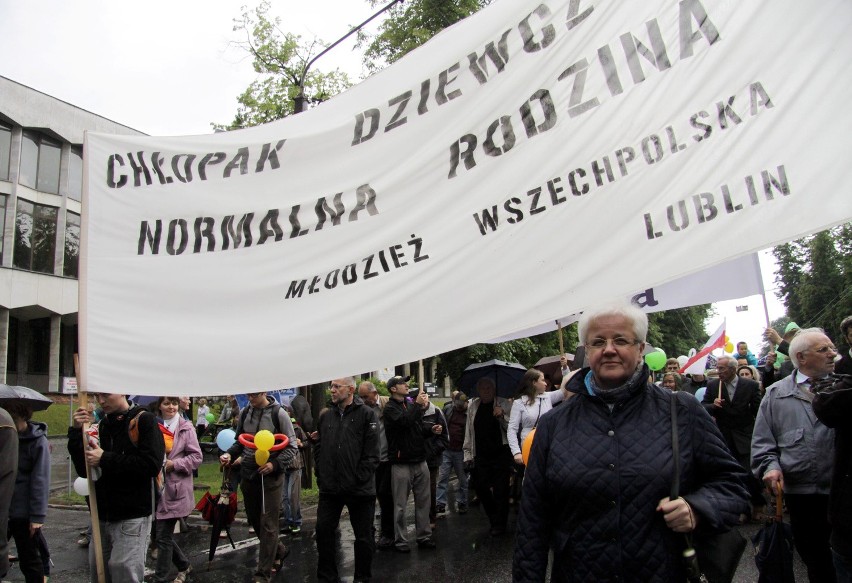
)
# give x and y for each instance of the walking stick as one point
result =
(93, 499)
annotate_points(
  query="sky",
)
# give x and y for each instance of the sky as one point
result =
(172, 68)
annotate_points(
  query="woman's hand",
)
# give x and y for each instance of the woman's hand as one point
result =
(678, 514)
(519, 459)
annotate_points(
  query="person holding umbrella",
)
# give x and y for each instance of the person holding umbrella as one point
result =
(183, 455)
(28, 509)
(8, 472)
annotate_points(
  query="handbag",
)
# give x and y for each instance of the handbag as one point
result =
(708, 557)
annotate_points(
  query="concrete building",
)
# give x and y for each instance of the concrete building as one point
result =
(41, 182)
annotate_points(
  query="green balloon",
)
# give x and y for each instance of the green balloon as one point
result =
(656, 360)
(210, 417)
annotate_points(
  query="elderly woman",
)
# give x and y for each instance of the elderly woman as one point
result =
(600, 471)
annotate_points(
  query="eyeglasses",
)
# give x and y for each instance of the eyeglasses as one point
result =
(335, 386)
(618, 342)
(823, 350)
(252, 395)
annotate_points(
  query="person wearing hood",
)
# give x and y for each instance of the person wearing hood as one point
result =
(600, 471)
(262, 484)
(8, 473)
(28, 508)
(183, 456)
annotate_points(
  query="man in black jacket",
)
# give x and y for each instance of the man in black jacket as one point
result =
(735, 407)
(347, 455)
(407, 455)
(125, 488)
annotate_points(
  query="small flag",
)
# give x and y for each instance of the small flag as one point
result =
(697, 364)
(742, 308)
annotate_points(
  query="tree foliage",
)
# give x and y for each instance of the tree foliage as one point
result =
(814, 279)
(279, 58)
(409, 25)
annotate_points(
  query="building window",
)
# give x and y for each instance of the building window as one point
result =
(68, 347)
(75, 174)
(38, 355)
(3, 200)
(12, 346)
(35, 236)
(72, 244)
(5, 150)
(40, 163)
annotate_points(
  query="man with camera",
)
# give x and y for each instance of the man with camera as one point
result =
(403, 419)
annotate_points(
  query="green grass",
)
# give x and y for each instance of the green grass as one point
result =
(209, 478)
(56, 417)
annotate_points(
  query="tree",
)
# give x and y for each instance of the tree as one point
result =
(279, 58)
(814, 278)
(411, 24)
(676, 331)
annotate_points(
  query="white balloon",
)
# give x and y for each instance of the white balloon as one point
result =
(691, 352)
(682, 360)
(81, 486)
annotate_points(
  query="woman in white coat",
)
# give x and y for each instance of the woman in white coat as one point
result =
(532, 402)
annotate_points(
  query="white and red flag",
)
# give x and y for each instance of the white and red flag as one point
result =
(698, 362)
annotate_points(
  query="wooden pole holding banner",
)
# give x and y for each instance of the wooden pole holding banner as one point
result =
(561, 341)
(420, 374)
(93, 499)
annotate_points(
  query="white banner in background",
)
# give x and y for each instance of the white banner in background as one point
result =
(731, 280)
(534, 159)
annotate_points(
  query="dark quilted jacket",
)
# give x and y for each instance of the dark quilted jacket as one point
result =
(595, 478)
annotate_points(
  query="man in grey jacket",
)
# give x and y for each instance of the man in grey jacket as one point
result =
(8, 471)
(792, 450)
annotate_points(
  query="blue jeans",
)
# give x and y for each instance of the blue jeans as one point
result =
(125, 545)
(451, 460)
(291, 506)
(843, 567)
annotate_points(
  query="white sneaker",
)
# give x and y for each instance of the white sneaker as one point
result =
(182, 575)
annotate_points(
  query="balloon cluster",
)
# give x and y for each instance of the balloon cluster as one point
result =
(264, 442)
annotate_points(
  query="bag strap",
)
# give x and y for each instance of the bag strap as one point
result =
(675, 490)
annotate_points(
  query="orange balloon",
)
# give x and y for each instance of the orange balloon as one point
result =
(527, 446)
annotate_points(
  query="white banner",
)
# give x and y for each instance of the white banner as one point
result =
(731, 280)
(535, 159)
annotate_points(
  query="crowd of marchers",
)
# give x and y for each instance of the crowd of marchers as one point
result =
(587, 457)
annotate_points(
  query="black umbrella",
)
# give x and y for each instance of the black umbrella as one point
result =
(35, 400)
(506, 375)
(773, 548)
(219, 511)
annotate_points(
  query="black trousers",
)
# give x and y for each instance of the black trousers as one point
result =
(384, 494)
(811, 532)
(361, 512)
(29, 558)
(491, 482)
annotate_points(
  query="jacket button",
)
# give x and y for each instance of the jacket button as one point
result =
(612, 466)
(610, 432)
(612, 503)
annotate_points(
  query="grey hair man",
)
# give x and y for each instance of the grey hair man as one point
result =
(793, 450)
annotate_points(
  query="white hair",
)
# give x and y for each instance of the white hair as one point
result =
(638, 318)
(802, 341)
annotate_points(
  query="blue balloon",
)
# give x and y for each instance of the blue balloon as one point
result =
(226, 439)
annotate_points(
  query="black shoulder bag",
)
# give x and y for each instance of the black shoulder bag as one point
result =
(708, 557)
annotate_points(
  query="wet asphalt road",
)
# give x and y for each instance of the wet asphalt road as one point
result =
(465, 553)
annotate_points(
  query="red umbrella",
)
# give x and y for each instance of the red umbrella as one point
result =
(219, 511)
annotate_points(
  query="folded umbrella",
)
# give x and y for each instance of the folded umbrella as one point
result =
(219, 511)
(773, 548)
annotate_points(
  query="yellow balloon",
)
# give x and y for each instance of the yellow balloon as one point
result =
(263, 440)
(527, 446)
(261, 456)
(729, 347)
